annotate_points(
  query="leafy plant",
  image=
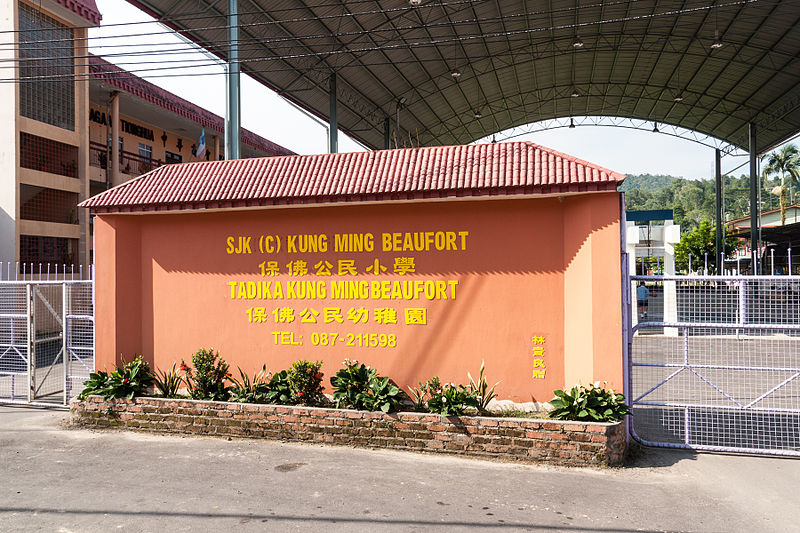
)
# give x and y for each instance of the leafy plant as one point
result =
(207, 380)
(96, 384)
(785, 163)
(360, 387)
(247, 390)
(423, 391)
(589, 404)
(451, 399)
(306, 382)
(482, 390)
(279, 389)
(700, 242)
(418, 395)
(168, 382)
(126, 381)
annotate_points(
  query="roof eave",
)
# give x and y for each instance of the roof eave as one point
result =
(325, 201)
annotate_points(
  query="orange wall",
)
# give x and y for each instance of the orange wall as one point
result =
(531, 267)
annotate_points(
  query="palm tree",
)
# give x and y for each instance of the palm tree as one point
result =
(786, 163)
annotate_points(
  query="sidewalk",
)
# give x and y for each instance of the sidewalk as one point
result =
(52, 479)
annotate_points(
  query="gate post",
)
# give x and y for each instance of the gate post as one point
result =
(627, 337)
(64, 357)
(31, 345)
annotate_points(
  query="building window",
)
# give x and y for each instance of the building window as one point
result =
(145, 151)
(145, 158)
(38, 153)
(109, 143)
(47, 205)
(46, 69)
(37, 249)
(170, 158)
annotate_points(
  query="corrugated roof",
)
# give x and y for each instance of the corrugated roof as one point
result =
(514, 168)
(710, 67)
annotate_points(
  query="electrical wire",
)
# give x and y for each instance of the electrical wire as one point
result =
(504, 36)
(393, 29)
(383, 11)
(31, 58)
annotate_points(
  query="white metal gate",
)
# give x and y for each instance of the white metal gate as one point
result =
(46, 340)
(715, 363)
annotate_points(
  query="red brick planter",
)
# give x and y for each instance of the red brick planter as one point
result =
(514, 439)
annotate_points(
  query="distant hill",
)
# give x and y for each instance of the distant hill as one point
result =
(647, 182)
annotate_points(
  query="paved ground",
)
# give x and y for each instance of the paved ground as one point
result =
(52, 479)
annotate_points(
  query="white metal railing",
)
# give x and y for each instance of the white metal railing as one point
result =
(715, 363)
(44, 271)
(46, 340)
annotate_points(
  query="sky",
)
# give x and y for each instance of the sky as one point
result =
(267, 114)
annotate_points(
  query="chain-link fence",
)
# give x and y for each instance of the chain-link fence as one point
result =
(715, 363)
(46, 340)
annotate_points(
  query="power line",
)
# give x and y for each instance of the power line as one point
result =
(392, 29)
(408, 8)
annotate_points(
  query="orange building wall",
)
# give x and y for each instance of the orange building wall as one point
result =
(532, 267)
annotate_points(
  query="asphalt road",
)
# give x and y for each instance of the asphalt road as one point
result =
(68, 480)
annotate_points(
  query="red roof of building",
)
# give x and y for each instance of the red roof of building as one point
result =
(747, 218)
(502, 169)
(86, 9)
(132, 84)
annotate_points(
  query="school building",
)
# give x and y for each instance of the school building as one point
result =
(57, 128)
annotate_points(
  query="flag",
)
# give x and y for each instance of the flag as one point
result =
(201, 145)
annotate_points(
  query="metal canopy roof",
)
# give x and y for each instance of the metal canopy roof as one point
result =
(519, 62)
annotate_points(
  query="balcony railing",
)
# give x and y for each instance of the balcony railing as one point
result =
(129, 163)
(98, 155)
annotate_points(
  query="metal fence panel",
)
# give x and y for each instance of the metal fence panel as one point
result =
(80, 336)
(715, 363)
(13, 343)
(47, 350)
(46, 340)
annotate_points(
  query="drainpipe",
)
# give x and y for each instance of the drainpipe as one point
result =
(114, 163)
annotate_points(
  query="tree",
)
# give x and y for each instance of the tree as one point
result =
(786, 163)
(698, 243)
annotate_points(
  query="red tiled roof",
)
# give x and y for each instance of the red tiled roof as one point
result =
(747, 218)
(132, 84)
(86, 9)
(518, 168)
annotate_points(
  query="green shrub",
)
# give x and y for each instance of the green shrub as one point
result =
(421, 393)
(589, 404)
(482, 390)
(168, 382)
(451, 399)
(207, 380)
(129, 380)
(247, 390)
(360, 387)
(279, 389)
(96, 384)
(305, 379)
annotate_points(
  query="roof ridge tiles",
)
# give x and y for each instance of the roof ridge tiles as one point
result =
(411, 173)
